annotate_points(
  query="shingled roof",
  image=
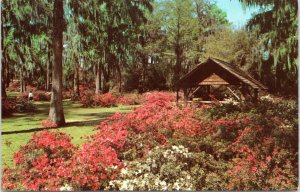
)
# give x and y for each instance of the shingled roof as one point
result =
(229, 72)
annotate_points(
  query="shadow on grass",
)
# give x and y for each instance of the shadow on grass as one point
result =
(68, 124)
(102, 114)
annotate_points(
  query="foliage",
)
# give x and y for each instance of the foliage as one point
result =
(170, 168)
(48, 123)
(39, 95)
(276, 24)
(94, 166)
(42, 164)
(161, 146)
(234, 46)
(89, 99)
(105, 100)
(7, 107)
(13, 86)
(148, 126)
(130, 99)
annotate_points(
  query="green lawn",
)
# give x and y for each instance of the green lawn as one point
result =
(80, 123)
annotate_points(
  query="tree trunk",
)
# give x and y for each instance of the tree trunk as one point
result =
(76, 81)
(56, 112)
(120, 79)
(278, 76)
(7, 81)
(98, 78)
(3, 88)
(105, 87)
(48, 72)
(178, 53)
(23, 61)
(3, 83)
(22, 87)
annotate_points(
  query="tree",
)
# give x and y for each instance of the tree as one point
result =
(174, 37)
(276, 25)
(26, 26)
(56, 112)
(235, 46)
(109, 29)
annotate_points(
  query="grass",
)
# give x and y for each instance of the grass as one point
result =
(12, 94)
(80, 123)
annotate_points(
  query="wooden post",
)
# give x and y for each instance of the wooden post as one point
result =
(255, 95)
(186, 97)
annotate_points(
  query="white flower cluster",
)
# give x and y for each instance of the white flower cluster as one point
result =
(267, 98)
(170, 153)
(230, 101)
(66, 188)
(153, 172)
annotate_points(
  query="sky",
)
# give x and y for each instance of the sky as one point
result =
(235, 12)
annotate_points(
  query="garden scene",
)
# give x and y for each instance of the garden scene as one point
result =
(149, 95)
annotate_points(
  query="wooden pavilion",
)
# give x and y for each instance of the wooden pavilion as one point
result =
(220, 76)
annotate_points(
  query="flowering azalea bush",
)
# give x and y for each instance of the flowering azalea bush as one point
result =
(134, 134)
(8, 107)
(40, 95)
(258, 143)
(105, 100)
(31, 88)
(130, 99)
(48, 123)
(13, 86)
(88, 98)
(170, 168)
(22, 97)
(162, 146)
(94, 166)
(42, 164)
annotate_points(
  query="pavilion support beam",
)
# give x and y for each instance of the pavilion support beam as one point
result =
(233, 93)
(255, 95)
(186, 97)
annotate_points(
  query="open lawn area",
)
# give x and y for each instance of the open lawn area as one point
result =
(18, 128)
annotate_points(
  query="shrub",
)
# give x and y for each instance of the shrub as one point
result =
(42, 164)
(148, 126)
(252, 171)
(105, 100)
(22, 97)
(171, 168)
(94, 166)
(41, 96)
(48, 123)
(70, 94)
(130, 99)
(8, 107)
(161, 146)
(23, 105)
(259, 143)
(14, 86)
(30, 88)
(87, 98)
(38, 95)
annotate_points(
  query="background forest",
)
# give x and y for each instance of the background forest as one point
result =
(88, 96)
(145, 45)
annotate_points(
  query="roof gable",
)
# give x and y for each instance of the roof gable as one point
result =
(226, 71)
(214, 79)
